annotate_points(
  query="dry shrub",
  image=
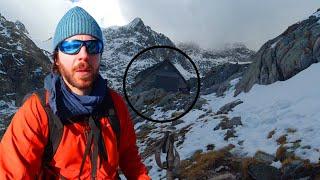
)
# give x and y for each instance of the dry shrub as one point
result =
(245, 166)
(282, 139)
(200, 163)
(281, 153)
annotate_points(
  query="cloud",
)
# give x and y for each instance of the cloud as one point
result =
(214, 23)
(39, 16)
(106, 12)
(210, 23)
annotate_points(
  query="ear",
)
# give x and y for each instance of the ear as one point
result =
(100, 58)
(56, 60)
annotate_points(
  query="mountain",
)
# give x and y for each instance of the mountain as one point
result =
(284, 56)
(22, 65)
(218, 67)
(124, 42)
(206, 59)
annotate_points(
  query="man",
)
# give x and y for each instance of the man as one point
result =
(89, 147)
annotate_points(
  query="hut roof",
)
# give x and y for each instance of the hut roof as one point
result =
(153, 69)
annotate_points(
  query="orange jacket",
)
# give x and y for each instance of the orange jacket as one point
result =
(23, 143)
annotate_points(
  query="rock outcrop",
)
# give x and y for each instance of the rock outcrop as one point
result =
(284, 56)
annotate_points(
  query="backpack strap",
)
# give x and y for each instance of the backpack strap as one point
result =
(107, 109)
(55, 129)
(55, 135)
(112, 115)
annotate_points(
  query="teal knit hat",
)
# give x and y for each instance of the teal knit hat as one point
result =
(76, 21)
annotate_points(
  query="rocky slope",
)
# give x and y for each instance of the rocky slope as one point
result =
(22, 63)
(22, 66)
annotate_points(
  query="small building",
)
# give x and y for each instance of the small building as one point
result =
(163, 75)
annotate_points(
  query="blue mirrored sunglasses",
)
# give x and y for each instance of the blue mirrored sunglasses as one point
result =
(73, 46)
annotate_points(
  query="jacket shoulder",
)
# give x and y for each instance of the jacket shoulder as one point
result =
(115, 95)
(24, 139)
(33, 108)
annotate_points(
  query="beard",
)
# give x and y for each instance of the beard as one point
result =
(79, 81)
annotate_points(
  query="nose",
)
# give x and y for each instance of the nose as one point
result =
(83, 54)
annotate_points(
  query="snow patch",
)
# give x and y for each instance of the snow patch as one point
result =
(186, 74)
(18, 47)
(6, 109)
(243, 62)
(274, 44)
(37, 71)
(5, 33)
(20, 61)
(316, 14)
(276, 164)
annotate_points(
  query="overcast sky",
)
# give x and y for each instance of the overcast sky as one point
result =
(210, 23)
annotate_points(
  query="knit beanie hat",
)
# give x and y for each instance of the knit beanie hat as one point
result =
(76, 21)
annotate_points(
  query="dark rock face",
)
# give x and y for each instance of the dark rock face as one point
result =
(284, 56)
(23, 67)
(22, 64)
(263, 171)
(217, 79)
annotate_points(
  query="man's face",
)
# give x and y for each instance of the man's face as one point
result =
(79, 71)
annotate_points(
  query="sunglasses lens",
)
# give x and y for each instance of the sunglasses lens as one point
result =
(70, 47)
(94, 46)
(74, 46)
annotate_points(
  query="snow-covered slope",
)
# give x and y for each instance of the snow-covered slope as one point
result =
(292, 104)
(288, 108)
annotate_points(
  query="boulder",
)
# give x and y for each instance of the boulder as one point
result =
(228, 107)
(264, 157)
(263, 171)
(229, 124)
